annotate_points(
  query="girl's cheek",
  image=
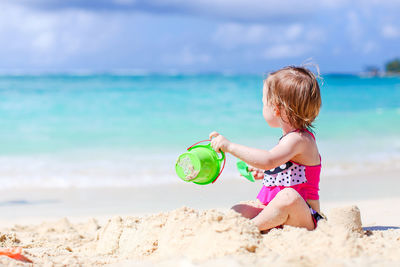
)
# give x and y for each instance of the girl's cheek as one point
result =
(267, 116)
(270, 118)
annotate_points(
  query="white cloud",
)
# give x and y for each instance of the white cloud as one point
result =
(315, 34)
(186, 57)
(286, 51)
(281, 41)
(124, 2)
(369, 47)
(44, 41)
(229, 10)
(354, 27)
(231, 35)
(39, 37)
(390, 31)
(72, 33)
(385, 3)
(190, 58)
(294, 31)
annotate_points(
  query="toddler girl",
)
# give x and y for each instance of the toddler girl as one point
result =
(290, 170)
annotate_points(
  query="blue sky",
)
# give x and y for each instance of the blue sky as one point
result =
(250, 36)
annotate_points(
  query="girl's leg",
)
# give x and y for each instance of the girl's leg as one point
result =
(249, 210)
(287, 208)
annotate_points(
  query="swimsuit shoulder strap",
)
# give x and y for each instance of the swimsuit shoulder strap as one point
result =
(305, 130)
(298, 130)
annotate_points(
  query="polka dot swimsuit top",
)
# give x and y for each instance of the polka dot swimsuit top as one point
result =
(303, 178)
(288, 174)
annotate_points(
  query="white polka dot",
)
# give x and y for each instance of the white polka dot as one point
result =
(283, 166)
(271, 170)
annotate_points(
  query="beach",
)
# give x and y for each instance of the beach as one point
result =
(189, 225)
(102, 102)
(87, 172)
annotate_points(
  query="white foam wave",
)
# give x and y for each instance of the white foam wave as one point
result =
(144, 169)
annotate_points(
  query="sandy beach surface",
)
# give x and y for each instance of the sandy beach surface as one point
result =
(189, 225)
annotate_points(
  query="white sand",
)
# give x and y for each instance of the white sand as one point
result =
(206, 238)
(149, 226)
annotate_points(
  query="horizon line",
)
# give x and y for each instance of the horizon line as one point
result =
(142, 72)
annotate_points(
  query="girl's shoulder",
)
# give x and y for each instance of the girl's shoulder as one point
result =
(306, 146)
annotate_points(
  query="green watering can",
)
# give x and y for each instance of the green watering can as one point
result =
(200, 165)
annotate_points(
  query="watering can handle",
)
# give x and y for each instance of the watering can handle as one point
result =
(208, 140)
(223, 166)
(222, 158)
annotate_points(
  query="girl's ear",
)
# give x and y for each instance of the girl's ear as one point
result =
(277, 111)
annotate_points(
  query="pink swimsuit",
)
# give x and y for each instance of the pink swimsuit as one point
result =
(302, 178)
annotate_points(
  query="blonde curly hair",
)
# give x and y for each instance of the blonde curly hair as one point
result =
(295, 91)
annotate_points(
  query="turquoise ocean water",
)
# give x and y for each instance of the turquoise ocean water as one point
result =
(127, 130)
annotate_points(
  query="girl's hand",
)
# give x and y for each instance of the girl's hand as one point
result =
(258, 174)
(218, 142)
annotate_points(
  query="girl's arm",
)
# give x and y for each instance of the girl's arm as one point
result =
(288, 147)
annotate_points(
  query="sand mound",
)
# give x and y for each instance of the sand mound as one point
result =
(187, 237)
(183, 232)
(211, 237)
